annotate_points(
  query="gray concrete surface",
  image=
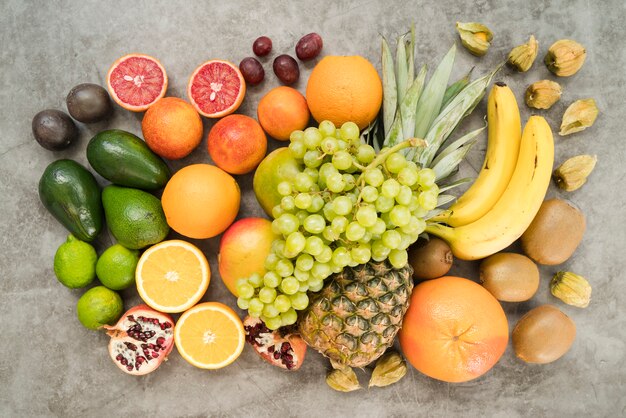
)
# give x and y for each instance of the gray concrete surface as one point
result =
(51, 366)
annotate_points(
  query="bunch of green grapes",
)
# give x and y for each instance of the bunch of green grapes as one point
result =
(347, 206)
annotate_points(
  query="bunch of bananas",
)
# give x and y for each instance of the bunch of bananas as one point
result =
(510, 187)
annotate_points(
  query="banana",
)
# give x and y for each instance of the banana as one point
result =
(514, 211)
(505, 132)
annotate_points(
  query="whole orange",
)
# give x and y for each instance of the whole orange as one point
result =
(243, 249)
(281, 111)
(201, 201)
(344, 89)
(172, 128)
(237, 144)
(454, 330)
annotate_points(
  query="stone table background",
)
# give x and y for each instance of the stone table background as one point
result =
(51, 366)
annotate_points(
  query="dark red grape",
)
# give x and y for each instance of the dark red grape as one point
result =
(286, 69)
(309, 46)
(252, 70)
(262, 46)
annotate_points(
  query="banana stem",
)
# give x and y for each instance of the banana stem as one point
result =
(380, 158)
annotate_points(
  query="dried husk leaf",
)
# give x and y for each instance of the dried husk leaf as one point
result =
(523, 56)
(565, 57)
(579, 116)
(343, 380)
(573, 173)
(476, 37)
(543, 94)
(571, 288)
(389, 369)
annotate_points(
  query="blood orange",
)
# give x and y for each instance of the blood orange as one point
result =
(136, 81)
(216, 88)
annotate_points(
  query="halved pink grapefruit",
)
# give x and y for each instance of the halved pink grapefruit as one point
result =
(216, 88)
(137, 81)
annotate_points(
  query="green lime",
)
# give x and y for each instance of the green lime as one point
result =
(99, 306)
(75, 263)
(116, 267)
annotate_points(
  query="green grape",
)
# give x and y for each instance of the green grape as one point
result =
(284, 267)
(327, 128)
(287, 223)
(312, 137)
(288, 318)
(255, 305)
(297, 135)
(414, 204)
(427, 200)
(304, 287)
(329, 213)
(255, 280)
(374, 177)
(301, 215)
(349, 131)
(325, 255)
(349, 182)
(354, 196)
(330, 235)
(404, 196)
(407, 176)
(367, 237)
(314, 224)
(243, 303)
(267, 294)
(317, 286)
(317, 203)
(287, 203)
(303, 200)
(304, 262)
(390, 188)
(282, 303)
(270, 311)
(289, 285)
(341, 144)
(301, 275)
(342, 205)
(303, 182)
(277, 211)
(245, 290)
(329, 145)
(395, 162)
(313, 158)
(400, 215)
(406, 242)
(379, 251)
(398, 258)
(275, 228)
(391, 239)
(365, 154)
(297, 148)
(341, 256)
(335, 183)
(294, 244)
(284, 188)
(361, 253)
(415, 226)
(320, 270)
(335, 268)
(241, 281)
(314, 246)
(384, 204)
(340, 223)
(299, 300)
(366, 216)
(426, 177)
(271, 279)
(342, 160)
(311, 172)
(369, 194)
(385, 218)
(327, 169)
(378, 228)
(354, 231)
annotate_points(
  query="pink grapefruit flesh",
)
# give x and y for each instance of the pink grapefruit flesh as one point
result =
(137, 81)
(216, 88)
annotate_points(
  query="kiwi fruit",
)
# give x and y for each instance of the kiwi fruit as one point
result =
(555, 233)
(543, 335)
(430, 258)
(509, 277)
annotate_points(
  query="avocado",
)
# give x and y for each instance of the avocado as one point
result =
(72, 195)
(135, 217)
(124, 159)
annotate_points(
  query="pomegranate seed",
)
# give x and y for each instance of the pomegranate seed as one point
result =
(140, 359)
(129, 368)
(155, 354)
(276, 355)
(160, 341)
(270, 348)
(285, 347)
(119, 357)
(162, 326)
(124, 361)
(144, 346)
(131, 318)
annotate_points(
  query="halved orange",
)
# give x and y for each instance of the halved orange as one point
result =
(216, 88)
(209, 336)
(172, 276)
(137, 81)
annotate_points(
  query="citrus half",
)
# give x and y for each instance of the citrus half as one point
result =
(136, 81)
(216, 88)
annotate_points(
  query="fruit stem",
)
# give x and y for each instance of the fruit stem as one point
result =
(381, 157)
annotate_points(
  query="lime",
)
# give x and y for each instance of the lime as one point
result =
(116, 267)
(75, 263)
(99, 306)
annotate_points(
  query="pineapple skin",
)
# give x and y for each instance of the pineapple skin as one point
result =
(358, 312)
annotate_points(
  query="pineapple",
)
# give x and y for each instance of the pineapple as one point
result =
(358, 313)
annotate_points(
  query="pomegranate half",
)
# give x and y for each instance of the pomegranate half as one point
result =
(141, 340)
(279, 348)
